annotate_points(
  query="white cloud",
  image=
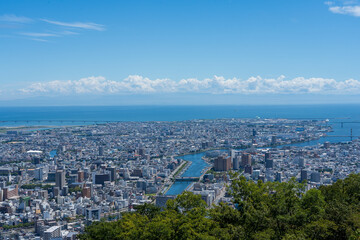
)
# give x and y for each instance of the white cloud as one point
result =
(56, 29)
(345, 7)
(346, 10)
(39, 39)
(217, 85)
(68, 33)
(82, 25)
(35, 34)
(15, 19)
(329, 3)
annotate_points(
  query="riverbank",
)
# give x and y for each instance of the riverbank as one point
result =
(200, 162)
(183, 167)
(169, 181)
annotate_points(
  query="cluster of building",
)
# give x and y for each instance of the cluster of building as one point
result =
(55, 181)
(316, 165)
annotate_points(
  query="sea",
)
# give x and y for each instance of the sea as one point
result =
(84, 115)
(176, 113)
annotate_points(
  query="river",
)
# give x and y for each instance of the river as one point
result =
(198, 164)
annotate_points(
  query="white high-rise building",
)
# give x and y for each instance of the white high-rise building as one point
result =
(53, 232)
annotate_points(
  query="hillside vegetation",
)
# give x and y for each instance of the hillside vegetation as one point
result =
(268, 210)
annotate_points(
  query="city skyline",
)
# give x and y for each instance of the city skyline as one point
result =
(179, 119)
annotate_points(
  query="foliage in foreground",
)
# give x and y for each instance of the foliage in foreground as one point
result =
(262, 211)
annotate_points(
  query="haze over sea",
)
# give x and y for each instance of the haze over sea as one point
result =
(173, 113)
(65, 116)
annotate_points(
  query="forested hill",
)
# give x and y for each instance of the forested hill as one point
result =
(269, 210)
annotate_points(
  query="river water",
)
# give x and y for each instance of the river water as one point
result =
(198, 164)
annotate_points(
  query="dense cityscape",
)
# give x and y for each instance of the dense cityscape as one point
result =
(179, 120)
(55, 181)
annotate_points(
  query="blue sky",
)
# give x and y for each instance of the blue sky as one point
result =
(255, 48)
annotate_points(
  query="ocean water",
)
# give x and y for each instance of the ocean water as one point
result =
(174, 113)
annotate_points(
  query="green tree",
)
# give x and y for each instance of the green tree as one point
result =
(258, 211)
(148, 210)
(185, 202)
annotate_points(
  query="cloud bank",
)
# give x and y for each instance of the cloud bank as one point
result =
(135, 84)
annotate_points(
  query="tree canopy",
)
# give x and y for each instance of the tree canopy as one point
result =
(270, 210)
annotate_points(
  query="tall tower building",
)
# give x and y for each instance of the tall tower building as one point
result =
(112, 171)
(86, 192)
(81, 176)
(303, 175)
(60, 179)
(222, 163)
(101, 151)
(269, 163)
(142, 152)
(245, 159)
(236, 162)
(254, 132)
(273, 140)
(278, 177)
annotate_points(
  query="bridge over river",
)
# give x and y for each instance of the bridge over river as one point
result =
(188, 179)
